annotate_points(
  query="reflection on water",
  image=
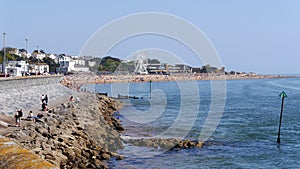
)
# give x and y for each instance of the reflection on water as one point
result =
(245, 137)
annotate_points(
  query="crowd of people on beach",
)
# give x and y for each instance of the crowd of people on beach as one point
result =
(76, 81)
(19, 113)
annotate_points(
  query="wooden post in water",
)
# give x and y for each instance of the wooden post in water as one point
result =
(150, 89)
(282, 95)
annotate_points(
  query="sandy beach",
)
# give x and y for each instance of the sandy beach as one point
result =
(75, 81)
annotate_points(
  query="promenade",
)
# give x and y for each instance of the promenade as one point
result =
(7, 122)
(25, 93)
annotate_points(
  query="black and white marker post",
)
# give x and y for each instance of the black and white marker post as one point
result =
(282, 95)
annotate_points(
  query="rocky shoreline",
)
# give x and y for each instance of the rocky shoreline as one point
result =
(84, 134)
(77, 134)
(164, 143)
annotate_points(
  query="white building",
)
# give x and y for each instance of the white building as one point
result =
(92, 63)
(66, 64)
(52, 56)
(81, 68)
(40, 56)
(23, 53)
(38, 68)
(79, 61)
(28, 55)
(17, 68)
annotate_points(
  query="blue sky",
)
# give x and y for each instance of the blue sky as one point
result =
(249, 35)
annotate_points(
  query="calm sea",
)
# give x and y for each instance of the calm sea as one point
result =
(245, 136)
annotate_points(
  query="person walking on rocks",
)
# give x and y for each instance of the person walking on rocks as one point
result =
(18, 116)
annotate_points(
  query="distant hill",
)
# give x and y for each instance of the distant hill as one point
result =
(109, 64)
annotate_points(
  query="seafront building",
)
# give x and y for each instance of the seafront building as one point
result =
(71, 64)
(38, 68)
(66, 64)
(17, 68)
(38, 55)
(22, 68)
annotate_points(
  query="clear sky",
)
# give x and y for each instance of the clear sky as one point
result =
(262, 36)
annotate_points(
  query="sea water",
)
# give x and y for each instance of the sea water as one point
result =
(245, 136)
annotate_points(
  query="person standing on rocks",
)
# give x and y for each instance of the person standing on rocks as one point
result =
(42, 98)
(46, 99)
(44, 106)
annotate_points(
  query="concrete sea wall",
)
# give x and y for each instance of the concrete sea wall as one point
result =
(25, 93)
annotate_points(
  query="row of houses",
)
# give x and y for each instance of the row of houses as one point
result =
(66, 63)
(23, 68)
(24, 53)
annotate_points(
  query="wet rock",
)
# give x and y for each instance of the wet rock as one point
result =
(120, 157)
(119, 127)
(98, 163)
(105, 156)
(114, 154)
(170, 143)
(199, 144)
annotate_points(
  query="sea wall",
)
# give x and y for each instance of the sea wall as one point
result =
(25, 93)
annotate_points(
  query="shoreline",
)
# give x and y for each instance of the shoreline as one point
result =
(76, 81)
(101, 135)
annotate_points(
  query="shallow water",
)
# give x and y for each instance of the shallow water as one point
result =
(245, 137)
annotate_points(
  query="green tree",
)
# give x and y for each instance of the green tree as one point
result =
(153, 61)
(33, 60)
(203, 69)
(9, 57)
(51, 63)
(109, 64)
